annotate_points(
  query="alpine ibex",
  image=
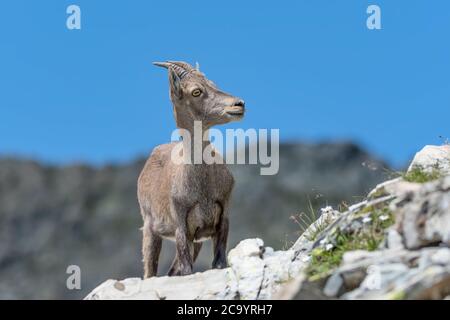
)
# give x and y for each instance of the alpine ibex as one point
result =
(187, 202)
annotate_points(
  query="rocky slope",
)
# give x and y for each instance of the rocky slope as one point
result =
(392, 245)
(55, 216)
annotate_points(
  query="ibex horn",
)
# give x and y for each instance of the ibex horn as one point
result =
(181, 68)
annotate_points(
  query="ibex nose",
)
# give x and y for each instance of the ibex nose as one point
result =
(239, 103)
(236, 108)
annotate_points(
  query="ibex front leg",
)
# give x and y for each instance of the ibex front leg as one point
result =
(151, 247)
(220, 241)
(183, 260)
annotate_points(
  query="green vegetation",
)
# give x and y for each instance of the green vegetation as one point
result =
(396, 295)
(419, 175)
(367, 238)
(381, 192)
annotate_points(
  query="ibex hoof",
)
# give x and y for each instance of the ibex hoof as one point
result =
(181, 271)
(221, 264)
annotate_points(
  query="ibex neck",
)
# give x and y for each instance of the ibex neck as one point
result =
(195, 141)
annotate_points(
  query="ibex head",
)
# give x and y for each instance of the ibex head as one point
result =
(195, 98)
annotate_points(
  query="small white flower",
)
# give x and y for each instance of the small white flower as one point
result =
(366, 219)
(384, 217)
(328, 209)
(323, 241)
(328, 247)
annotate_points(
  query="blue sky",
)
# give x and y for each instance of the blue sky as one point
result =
(310, 68)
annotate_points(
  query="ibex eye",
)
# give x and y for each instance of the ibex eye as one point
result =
(196, 92)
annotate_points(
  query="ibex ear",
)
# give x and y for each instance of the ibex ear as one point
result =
(175, 83)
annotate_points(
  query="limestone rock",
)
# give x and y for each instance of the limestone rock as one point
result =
(395, 187)
(398, 279)
(208, 285)
(255, 272)
(246, 261)
(433, 157)
(394, 240)
(423, 217)
(290, 289)
(333, 285)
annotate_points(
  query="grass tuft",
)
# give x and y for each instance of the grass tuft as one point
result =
(367, 238)
(311, 223)
(319, 227)
(418, 175)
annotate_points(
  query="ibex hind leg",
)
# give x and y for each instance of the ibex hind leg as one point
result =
(220, 245)
(195, 250)
(151, 248)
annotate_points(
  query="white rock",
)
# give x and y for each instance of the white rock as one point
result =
(423, 217)
(394, 187)
(278, 265)
(432, 157)
(255, 272)
(297, 266)
(289, 290)
(208, 285)
(333, 285)
(442, 257)
(350, 257)
(248, 266)
(378, 279)
(394, 240)
(357, 206)
(247, 248)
